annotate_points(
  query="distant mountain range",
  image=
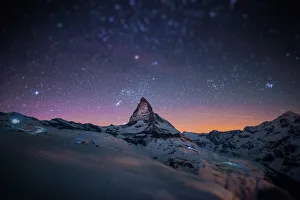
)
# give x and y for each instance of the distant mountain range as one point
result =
(274, 144)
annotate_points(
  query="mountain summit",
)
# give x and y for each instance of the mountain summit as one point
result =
(144, 120)
(143, 112)
(144, 126)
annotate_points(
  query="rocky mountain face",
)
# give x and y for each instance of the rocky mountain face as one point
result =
(275, 144)
(143, 112)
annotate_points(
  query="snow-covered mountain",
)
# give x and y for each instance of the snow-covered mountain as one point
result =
(275, 144)
(158, 136)
(152, 137)
(22, 122)
(144, 126)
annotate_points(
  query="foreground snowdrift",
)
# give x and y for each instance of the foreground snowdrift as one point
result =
(45, 168)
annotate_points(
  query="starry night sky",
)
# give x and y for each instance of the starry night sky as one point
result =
(202, 64)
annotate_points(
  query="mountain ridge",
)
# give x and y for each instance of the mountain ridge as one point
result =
(288, 113)
(274, 143)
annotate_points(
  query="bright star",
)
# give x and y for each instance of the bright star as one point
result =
(269, 85)
(136, 57)
(36, 92)
(118, 103)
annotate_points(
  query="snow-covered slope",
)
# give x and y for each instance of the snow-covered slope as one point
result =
(191, 135)
(17, 120)
(275, 143)
(45, 168)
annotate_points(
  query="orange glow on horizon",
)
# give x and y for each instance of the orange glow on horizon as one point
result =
(189, 120)
(218, 119)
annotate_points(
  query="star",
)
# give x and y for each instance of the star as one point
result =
(36, 92)
(118, 103)
(269, 85)
(136, 57)
(155, 63)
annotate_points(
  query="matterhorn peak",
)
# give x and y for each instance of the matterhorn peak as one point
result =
(143, 112)
(143, 99)
(144, 120)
